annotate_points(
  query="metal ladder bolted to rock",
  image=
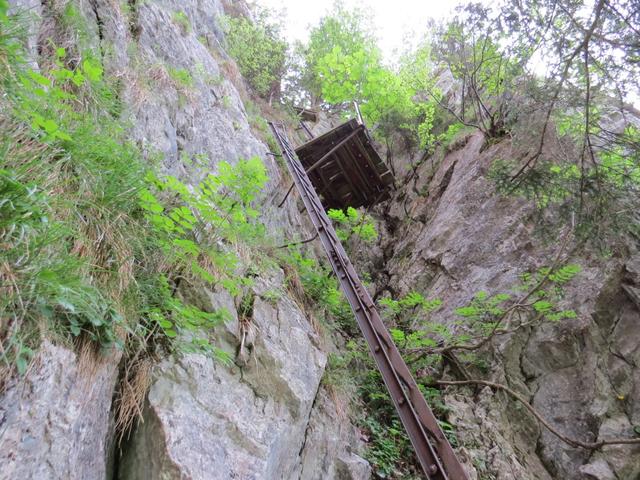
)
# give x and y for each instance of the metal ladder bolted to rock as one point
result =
(354, 173)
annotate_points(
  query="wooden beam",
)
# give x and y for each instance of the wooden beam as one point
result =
(333, 150)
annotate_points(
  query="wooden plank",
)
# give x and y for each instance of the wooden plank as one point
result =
(333, 150)
(344, 166)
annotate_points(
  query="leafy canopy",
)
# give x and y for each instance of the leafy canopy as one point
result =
(259, 50)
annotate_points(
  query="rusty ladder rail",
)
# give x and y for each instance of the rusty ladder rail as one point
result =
(432, 448)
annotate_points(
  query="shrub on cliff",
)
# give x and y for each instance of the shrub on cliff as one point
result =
(259, 50)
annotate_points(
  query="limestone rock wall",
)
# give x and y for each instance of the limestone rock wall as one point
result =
(203, 420)
(448, 233)
(55, 421)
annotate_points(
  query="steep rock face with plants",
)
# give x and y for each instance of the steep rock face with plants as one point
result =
(255, 418)
(449, 234)
(524, 340)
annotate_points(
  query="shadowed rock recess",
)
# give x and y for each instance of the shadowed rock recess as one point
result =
(269, 416)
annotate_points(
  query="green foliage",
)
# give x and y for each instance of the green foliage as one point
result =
(452, 135)
(389, 449)
(353, 223)
(385, 102)
(321, 288)
(197, 230)
(259, 50)
(485, 313)
(196, 225)
(272, 296)
(63, 161)
(186, 327)
(88, 234)
(344, 65)
(336, 375)
(422, 343)
(411, 302)
(182, 20)
(416, 73)
(181, 77)
(590, 168)
(411, 327)
(584, 194)
(474, 49)
(345, 30)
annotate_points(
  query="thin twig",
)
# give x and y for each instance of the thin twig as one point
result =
(308, 240)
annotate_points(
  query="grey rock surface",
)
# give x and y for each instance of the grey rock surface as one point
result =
(458, 237)
(247, 421)
(328, 431)
(54, 422)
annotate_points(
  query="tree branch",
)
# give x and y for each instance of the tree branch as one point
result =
(566, 439)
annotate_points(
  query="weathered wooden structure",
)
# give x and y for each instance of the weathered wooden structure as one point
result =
(345, 168)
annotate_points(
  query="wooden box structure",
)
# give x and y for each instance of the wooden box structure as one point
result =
(345, 169)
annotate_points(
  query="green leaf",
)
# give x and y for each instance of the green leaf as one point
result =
(397, 335)
(165, 324)
(542, 306)
(468, 311)
(40, 79)
(21, 364)
(92, 69)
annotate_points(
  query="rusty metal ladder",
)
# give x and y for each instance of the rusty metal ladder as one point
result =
(437, 458)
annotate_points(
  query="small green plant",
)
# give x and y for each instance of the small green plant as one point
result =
(351, 223)
(181, 77)
(272, 296)
(321, 289)
(182, 20)
(196, 224)
(454, 132)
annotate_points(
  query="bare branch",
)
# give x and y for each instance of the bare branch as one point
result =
(545, 423)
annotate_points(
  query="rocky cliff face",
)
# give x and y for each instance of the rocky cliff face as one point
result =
(267, 416)
(450, 235)
(445, 232)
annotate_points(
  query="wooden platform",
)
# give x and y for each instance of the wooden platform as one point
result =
(345, 169)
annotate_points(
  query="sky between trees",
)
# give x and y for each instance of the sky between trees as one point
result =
(398, 22)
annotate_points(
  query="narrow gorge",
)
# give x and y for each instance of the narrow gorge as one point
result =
(187, 326)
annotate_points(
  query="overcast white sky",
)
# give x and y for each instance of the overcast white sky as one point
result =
(395, 20)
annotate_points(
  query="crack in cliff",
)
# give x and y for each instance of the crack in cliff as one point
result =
(100, 27)
(135, 29)
(308, 421)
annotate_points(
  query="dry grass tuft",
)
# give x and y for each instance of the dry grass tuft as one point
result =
(341, 400)
(90, 359)
(134, 385)
(294, 285)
